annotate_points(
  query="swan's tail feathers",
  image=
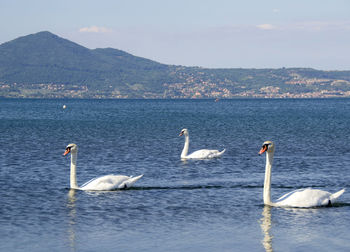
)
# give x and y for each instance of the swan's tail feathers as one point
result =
(336, 195)
(212, 154)
(130, 182)
(220, 153)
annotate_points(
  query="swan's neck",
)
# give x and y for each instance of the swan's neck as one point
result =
(267, 182)
(187, 144)
(73, 171)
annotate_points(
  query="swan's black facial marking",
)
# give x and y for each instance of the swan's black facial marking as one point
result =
(264, 148)
(68, 149)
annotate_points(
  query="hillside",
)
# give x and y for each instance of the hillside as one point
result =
(45, 65)
(45, 58)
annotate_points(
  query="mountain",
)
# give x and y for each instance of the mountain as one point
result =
(46, 58)
(46, 65)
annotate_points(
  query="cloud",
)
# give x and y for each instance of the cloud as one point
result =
(95, 29)
(308, 26)
(275, 10)
(320, 26)
(266, 27)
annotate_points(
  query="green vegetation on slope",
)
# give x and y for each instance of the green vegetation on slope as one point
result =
(45, 65)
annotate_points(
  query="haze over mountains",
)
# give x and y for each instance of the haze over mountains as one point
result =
(43, 65)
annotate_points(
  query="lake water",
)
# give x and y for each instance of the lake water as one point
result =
(205, 205)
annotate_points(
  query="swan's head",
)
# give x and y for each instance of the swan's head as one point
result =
(267, 146)
(184, 132)
(71, 148)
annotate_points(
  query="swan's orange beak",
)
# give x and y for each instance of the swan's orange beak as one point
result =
(181, 133)
(66, 152)
(263, 149)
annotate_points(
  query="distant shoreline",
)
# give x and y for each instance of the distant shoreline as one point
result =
(177, 99)
(44, 65)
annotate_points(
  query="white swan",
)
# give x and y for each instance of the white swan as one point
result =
(104, 183)
(299, 198)
(199, 154)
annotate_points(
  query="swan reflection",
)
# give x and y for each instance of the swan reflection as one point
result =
(265, 224)
(71, 218)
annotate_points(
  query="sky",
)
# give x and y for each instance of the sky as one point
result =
(204, 33)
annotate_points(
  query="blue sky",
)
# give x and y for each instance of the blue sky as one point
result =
(215, 34)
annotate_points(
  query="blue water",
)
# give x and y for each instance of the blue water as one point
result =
(207, 205)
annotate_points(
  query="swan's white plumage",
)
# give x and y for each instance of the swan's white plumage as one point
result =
(204, 153)
(104, 183)
(199, 154)
(109, 182)
(299, 198)
(307, 198)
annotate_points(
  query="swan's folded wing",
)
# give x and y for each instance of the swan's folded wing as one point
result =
(105, 183)
(204, 153)
(304, 198)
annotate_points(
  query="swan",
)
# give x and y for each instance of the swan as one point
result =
(104, 183)
(199, 154)
(299, 198)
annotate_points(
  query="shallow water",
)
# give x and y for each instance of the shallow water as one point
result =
(206, 205)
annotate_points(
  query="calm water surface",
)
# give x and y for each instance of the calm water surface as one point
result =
(212, 205)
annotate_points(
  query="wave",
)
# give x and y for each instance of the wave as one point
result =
(208, 186)
(196, 187)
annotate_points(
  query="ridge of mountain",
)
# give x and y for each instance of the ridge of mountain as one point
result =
(46, 65)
